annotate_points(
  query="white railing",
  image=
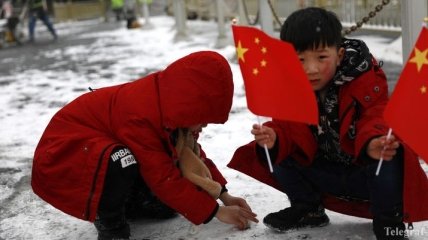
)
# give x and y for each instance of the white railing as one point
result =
(348, 11)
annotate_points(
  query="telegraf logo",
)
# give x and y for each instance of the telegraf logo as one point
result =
(423, 231)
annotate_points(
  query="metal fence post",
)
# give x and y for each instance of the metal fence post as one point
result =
(180, 19)
(266, 17)
(241, 13)
(146, 14)
(221, 38)
(412, 16)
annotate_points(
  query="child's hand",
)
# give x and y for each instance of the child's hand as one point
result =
(264, 135)
(381, 147)
(236, 215)
(230, 200)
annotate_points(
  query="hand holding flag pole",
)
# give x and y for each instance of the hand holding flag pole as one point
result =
(266, 149)
(276, 85)
(388, 136)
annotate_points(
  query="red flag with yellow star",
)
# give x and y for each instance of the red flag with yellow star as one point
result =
(406, 112)
(275, 84)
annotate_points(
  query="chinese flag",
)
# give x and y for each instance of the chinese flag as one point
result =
(275, 84)
(406, 112)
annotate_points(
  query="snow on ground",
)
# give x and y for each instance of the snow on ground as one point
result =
(30, 96)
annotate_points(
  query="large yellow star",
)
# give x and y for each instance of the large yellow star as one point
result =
(420, 58)
(241, 51)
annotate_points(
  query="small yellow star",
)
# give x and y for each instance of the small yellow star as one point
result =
(420, 58)
(257, 40)
(240, 51)
(263, 63)
(423, 89)
(264, 50)
(255, 71)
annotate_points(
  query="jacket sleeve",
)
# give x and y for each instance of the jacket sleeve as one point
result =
(294, 140)
(161, 174)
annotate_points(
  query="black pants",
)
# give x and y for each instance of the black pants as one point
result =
(122, 173)
(304, 184)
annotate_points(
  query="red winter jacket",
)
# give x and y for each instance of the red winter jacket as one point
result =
(71, 158)
(365, 96)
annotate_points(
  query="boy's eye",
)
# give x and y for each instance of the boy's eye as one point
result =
(323, 57)
(301, 59)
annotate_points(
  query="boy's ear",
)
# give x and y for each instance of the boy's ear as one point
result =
(340, 53)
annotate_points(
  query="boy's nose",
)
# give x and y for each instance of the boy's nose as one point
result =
(311, 68)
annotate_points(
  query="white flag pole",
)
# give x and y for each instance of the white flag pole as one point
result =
(266, 149)
(381, 154)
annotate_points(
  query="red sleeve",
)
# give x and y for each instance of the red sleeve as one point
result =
(295, 140)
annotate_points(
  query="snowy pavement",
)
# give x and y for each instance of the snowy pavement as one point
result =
(36, 80)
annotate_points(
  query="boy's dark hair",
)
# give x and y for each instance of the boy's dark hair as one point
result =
(311, 27)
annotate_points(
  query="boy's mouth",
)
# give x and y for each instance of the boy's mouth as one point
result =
(314, 81)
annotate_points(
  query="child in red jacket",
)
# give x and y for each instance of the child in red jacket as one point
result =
(112, 154)
(338, 157)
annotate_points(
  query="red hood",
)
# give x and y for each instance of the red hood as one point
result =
(196, 89)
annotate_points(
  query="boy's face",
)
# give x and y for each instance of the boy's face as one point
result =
(320, 64)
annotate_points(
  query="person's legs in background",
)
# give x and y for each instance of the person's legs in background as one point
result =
(32, 18)
(45, 19)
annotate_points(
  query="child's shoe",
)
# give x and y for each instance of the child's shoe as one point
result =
(389, 228)
(297, 216)
(109, 229)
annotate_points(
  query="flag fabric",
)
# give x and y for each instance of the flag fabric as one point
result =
(407, 110)
(275, 83)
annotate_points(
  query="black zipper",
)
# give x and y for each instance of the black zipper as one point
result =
(91, 193)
